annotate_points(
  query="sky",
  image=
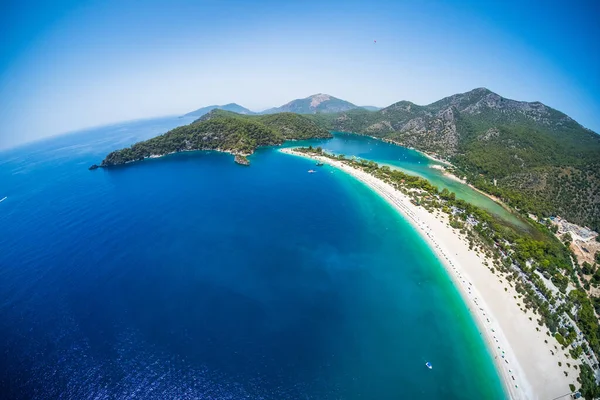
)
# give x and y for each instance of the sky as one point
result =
(67, 65)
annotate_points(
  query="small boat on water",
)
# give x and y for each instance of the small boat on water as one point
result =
(319, 164)
(311, 171)
(428, 365)
(3, 199)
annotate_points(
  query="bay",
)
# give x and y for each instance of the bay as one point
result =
(192, 277)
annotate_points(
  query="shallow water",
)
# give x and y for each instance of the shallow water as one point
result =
(192, 277)
(414, 163)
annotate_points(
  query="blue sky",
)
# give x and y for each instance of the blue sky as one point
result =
(67, 65)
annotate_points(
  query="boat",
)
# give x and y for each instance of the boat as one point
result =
(319, 164)
(3, 199)
(311, 171)
(428, 365)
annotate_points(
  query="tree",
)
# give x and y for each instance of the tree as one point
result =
(589, 389)
(567, 238)
(447, 195)
(586, 268)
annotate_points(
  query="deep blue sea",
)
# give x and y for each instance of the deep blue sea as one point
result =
(191, 277)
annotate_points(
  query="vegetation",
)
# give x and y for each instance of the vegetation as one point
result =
(531, 156)
(589, 389)
(224, 131)
(523, 256)
(236, 108)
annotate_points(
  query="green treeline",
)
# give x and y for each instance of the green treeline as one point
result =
(225, 131)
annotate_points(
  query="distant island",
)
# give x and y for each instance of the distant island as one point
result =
(242, 160)
(222, 131)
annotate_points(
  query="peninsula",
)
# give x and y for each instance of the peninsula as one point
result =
(222, 131)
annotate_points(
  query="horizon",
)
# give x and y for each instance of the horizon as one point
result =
(308, 199)
(72, 66)
(181, 115)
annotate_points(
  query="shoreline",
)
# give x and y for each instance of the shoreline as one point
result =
(432, 157)
(447, 174)
(450, 175)
(522, 359)
(157, 156)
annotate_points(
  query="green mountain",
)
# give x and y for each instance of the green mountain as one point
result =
(530, 155)
(317, 103)
(371, 108)
(223, 131)
(233, 107)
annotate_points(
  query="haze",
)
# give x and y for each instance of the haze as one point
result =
(69, 65)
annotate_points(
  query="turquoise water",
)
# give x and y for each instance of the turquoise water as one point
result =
(414, 163)
(192, 277)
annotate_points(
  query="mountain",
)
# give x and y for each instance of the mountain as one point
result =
(233, 107)
(528, 154)
(223, 131)
(370, 108)
(317, 103)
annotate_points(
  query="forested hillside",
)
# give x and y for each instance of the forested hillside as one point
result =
(532, 156)
(224, 131)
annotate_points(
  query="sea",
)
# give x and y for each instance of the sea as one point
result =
(192, 277)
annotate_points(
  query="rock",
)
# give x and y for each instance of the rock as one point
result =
(242, 160)
(93, 167)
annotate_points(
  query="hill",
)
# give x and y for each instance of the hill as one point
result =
(371, 108)
(317, 103)
(530, 155)
(233, 107)
(223, 131)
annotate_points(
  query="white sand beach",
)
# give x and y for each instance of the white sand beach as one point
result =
(515, 340)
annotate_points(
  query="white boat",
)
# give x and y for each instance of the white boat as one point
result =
(3, 199)
(311, 171)
(428, 365)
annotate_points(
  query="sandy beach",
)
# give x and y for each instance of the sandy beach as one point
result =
(527, 359)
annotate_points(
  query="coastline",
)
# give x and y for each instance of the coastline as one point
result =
(432, 157)
(522, 354)
(155, 156)
(450, 175)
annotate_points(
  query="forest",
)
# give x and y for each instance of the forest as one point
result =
(223, 131)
